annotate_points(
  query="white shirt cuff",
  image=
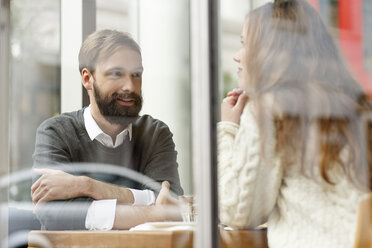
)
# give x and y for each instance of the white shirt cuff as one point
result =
(101, 215)
(143, 197)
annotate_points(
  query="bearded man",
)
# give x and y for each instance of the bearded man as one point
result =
(108, 131)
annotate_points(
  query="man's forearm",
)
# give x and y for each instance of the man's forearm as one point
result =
(99, 191)
(130, 216)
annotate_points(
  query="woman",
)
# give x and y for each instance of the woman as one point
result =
(292, 140)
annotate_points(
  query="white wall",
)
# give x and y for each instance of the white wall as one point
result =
(71, 38)
(163, 32)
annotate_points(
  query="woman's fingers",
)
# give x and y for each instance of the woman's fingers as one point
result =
(232, 107)
(230, 100)
(235, 92)
(240, 103)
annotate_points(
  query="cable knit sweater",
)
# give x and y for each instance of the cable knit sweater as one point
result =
(299, 211)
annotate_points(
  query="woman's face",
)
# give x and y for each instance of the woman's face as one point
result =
(240, 58)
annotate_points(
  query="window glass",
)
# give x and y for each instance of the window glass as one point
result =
(296, 84)
(44, 82)
(165, 54)
(35, 77)
(34, 96)
(232, 17)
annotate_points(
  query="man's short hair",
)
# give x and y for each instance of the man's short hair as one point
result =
(102, 44)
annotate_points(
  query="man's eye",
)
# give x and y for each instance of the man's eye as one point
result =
(116, 74)
(136, 74)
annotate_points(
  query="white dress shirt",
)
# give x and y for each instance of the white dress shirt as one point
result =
(101, 213)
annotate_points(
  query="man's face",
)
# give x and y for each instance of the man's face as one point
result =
(117, 86)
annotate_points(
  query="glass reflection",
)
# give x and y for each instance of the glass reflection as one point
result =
(35, 79)
(34, 96)
(292, 142)
(110, 131)
(36, 50)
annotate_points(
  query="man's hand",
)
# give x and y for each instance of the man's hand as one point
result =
(166, 208)
(232, 105)
(164, 197)
(59, 185)
(55, 185)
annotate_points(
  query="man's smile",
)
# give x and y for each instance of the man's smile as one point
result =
(126, 102)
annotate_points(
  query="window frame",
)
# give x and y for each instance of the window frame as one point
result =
(4, 112)
(205, 81)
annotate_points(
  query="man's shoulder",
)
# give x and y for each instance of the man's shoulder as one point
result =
(147, 121)
(64, 121)
(148, 124)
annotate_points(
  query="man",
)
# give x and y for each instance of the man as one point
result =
(109, 131)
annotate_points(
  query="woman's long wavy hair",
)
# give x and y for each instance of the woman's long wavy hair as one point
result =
(292, 58)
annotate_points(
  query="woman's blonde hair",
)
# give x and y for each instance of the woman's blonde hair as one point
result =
(292, 58)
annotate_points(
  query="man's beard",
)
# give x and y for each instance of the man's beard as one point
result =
(115, 113)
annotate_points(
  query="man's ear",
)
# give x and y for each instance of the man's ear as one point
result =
(87, 79)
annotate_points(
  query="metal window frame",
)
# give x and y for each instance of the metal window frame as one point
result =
(4, 113)
(205, 78)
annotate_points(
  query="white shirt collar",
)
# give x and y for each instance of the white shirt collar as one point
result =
(95, 132)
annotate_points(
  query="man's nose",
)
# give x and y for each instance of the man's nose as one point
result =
(127, 84)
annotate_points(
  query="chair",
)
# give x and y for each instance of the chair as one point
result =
(363, 238)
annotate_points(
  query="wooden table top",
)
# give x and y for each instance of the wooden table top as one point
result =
(140, 239)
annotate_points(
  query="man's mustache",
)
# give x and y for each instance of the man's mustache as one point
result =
(128, 95)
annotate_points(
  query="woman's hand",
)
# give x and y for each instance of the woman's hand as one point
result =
(232, 105)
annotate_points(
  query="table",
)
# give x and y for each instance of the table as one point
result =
(140, 239)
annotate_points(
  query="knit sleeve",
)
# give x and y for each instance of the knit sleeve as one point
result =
(52, 152)
(161, 161)
(248, 187)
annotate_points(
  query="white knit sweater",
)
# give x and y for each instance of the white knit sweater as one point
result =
(300, 212)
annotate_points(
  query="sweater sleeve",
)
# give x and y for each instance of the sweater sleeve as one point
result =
(52, 152)
(248, 182)
(162, 163)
